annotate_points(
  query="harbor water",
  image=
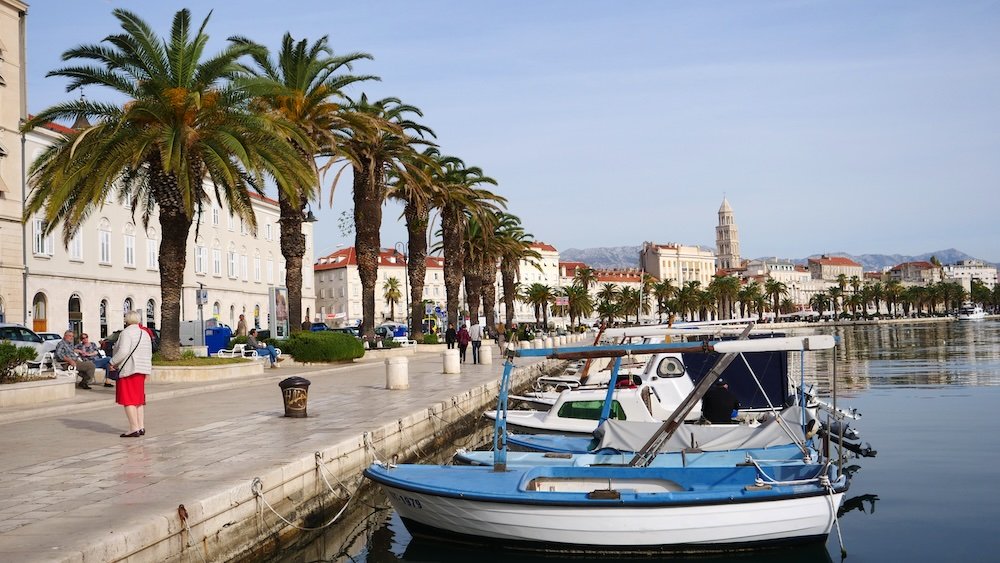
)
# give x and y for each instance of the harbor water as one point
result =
(929, 395)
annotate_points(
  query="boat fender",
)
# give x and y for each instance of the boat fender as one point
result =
(811, 428)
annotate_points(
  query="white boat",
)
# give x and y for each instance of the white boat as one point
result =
(971, 312)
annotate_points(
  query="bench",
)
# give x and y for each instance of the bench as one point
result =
(241, 351)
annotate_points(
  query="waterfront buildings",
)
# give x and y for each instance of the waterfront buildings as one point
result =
(13, 110)
(830, 267)
(727, 239)
(917, 273)
(677, 262)
(112, 265)
(965, 271)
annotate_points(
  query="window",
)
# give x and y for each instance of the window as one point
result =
(243, 267)
(42, 243)
(199, 259)
(130, 251)
(232, 264)
(216, 262)
(270, 270)
(152, 254)
(104, 243)
(232, 222)
(256, 269)
(76, 247)
(215, 216)
(243, 227)
(281, 271)
(267, 231)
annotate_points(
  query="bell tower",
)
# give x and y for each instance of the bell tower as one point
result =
(727, 239)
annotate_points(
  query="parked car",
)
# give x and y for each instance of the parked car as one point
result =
(353, 331)
(22, 336)
(317, 327)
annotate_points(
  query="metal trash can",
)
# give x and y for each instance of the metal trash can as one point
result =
(295, 392)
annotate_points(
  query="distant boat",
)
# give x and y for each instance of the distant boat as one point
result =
(971, 312)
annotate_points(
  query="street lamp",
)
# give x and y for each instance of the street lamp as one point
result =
(406, 284)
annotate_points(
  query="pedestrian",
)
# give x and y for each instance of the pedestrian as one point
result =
(306, 325)
(90, 351)
(719, 405)
(502, 342)
(133, 358)
(476, 337)
(463, 342)
(66, 353)
(450, 336)
(241, 327)
(263, 349)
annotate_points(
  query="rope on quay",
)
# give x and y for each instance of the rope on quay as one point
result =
(257, 486)
(836, 520)
(183, 515)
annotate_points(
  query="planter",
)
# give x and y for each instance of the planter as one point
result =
(37, 392)
(178, 374)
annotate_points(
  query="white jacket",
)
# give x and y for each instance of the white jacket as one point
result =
(141, 360)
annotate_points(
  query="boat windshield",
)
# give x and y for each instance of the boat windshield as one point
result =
(590, 410)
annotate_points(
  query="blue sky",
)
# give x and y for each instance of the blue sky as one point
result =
(856, 126)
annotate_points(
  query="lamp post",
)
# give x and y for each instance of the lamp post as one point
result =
(406, 284)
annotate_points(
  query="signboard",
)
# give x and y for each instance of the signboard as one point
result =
(562, 301)
(428, 308)
(279, 312)
(201, 296)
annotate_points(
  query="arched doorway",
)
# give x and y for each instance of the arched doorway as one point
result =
(127, 306)
(256, 316)
(104, 318)
(232, 315)
(151, 313)
(75, 315)
(39, 313)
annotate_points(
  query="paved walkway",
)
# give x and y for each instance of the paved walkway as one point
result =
(66, 478)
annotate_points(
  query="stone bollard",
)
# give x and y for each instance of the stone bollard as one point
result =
(397, 373)
(549, 343)
(486, 354)
(450, 360)
(539, 343)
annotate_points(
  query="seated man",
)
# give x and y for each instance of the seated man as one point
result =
(90, 351)
(263, 349)
(719, 405)
(66, 353)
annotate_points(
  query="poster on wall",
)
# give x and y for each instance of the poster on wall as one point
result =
(279, 312)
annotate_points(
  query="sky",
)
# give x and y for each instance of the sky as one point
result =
(853, 126)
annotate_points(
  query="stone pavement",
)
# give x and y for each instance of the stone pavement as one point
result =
(67, 479)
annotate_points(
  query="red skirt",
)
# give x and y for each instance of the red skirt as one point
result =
(131, 391)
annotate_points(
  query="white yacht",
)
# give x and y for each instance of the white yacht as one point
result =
(970, 312)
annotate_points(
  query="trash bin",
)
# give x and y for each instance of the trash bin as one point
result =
(295, 392)
(217, 338)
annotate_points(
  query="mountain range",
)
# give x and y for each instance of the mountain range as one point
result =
(628, 257)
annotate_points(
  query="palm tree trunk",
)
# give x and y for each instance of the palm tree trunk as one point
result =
(367, 243)
(473, 290)
(417, 217)
(489, 292)
(175, 226)
(293, 248)
(507, 275)
(454, 259)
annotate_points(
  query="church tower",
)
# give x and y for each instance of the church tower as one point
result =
(727, 239)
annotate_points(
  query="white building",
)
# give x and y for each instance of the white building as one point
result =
(338, 286)
(679, 263)
(544, 270)
(111, 266)
(13, 109)
(967, 270)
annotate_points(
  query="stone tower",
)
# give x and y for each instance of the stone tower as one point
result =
(727, 239)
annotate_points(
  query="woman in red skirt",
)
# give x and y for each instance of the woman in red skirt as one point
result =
(133, 357)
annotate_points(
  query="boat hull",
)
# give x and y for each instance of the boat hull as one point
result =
(717, 527)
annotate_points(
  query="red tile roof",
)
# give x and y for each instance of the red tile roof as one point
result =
(434, 262)
(542, 246)
(53, 126)
(922, 265)
(348, 257)
(571, 267)
(616, 275)
(834, 261)
(263, 198)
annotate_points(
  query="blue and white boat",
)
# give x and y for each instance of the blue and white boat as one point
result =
(636, 506)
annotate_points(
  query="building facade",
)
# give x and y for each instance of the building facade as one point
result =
(727, 239)
(111, 266)
(678, 263)
(918, 273)
(13, 110)
(544, 270)
(828, 268)
(967, 270)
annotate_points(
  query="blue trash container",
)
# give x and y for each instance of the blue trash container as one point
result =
(217, 338)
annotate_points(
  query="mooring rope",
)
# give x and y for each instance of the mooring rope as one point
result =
(257, 486)
(836, 520)
(183, 515)
(777, 415)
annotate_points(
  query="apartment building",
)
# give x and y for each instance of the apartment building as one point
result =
(13, 109)
(828, 268)
(677, 262)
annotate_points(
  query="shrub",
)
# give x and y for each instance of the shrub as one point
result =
(11, 356)
(321, 346)
(431, 339)
(237, 340)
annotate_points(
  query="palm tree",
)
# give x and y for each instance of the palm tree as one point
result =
(836, 295)
(688, 299)
(607, 301)
(748, 296)
(663, 292)
(539, 296)
(586, 276)
(893, 294)
(392, 295)
(726, 289)
(305, 87)
(376, 142)
(517, 249)
(855, 282)
(506, 236)
(629, 301)
(579, 302)
(820, 302)
(775, 290)
(184, 122)
(878, 294)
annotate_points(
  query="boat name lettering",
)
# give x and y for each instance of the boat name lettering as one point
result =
(408, 501)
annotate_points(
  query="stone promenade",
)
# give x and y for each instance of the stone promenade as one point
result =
(72, 490)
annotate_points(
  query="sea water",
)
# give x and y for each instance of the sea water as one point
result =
(929, 395)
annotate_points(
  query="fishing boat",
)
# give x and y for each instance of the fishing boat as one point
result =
(971, 312)
(636, 506)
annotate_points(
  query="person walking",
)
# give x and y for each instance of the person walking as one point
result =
(450, 337)
(66, 353)
(263, 349)
(476, 337)
(463, 342)
(90, 351)
(241, 327)
(133, 358)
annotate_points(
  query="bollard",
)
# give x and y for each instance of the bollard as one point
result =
(486, 354)
(397, 373)
(549, 343)
(295, 392)
(538, 343)
(450, 362)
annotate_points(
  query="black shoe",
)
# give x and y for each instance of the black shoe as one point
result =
(142, 431)
(83, 385)
(135, 434)
(108, 385)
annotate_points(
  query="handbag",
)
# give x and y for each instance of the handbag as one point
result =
(114, 374)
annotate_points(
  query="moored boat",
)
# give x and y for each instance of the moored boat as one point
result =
(971, 312)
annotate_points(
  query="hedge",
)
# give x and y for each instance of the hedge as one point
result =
(321, 346)
(11, 356)
(431, 339)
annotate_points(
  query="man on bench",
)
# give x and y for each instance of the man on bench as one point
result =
(66, 354)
